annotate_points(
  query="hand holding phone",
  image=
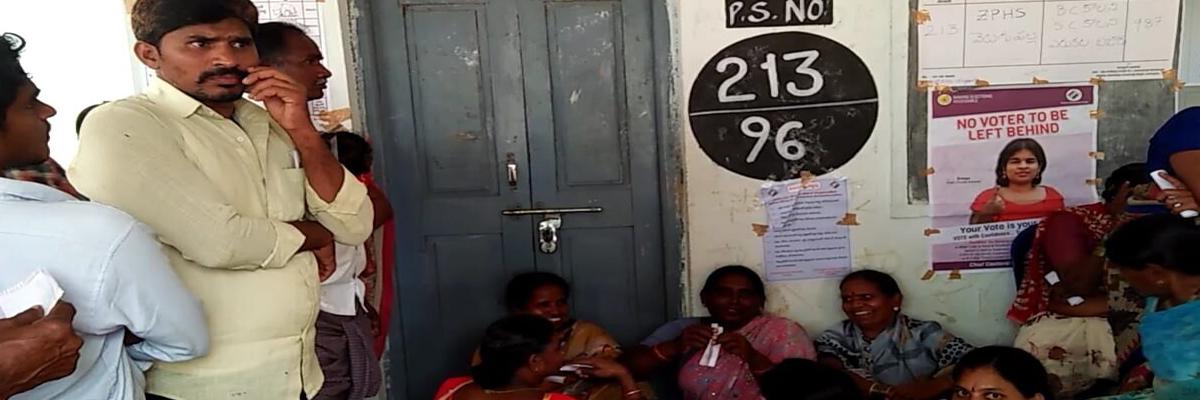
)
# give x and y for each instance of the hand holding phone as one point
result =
(1163, 183)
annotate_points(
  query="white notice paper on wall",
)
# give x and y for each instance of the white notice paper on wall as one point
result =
(804, 239)
(1016, 41)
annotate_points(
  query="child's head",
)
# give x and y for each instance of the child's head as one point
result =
(352, 150)
(800, 379)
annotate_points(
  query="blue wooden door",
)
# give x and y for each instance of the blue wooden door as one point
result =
(591, 130)
(518, 105)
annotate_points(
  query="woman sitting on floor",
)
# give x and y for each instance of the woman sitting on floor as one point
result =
(751, 343)
(518, 353)
(888, 353)
(1158, 256)
(1062, 305)
(547, 295)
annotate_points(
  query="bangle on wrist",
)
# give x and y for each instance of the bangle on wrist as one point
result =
(879, 388)
(659, 354)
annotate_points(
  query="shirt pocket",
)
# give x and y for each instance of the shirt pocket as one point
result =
(286, 194)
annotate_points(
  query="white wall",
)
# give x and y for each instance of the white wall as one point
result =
(721, 206)
(339, 89)
(78, 53)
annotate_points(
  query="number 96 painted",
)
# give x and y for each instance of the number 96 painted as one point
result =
(772, 106)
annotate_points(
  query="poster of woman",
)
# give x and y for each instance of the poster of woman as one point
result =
(1002, 159)
(1019, 193)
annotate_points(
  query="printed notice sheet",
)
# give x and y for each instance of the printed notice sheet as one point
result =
(804, 239)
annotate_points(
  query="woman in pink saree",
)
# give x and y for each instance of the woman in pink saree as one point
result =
(751, 342)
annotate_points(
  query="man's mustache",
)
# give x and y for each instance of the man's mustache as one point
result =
(213, 73)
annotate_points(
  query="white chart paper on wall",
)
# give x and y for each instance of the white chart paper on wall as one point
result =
(804, 238)
(303, 13)
(1016, 41)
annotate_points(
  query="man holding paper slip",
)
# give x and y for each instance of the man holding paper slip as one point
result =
(35, 349)
(99, 259)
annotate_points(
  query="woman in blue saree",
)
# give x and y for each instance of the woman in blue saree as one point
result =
(1158, 255)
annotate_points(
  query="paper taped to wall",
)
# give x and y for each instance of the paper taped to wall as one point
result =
(1057, 41)
(809, 235)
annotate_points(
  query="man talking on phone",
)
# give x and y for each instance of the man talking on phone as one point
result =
(243, 198)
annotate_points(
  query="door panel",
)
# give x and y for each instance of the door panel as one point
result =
(592, 139)
(563, 89)
(452, 258)
(452, 95)
(602, 262)
(586, 104)
(452, 116)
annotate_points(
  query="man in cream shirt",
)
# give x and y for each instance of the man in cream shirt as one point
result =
(244, 199)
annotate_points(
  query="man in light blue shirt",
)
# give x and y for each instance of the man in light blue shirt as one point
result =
(109, 266)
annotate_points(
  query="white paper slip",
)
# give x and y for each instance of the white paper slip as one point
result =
(39, 289)
(1052, 278)
(713, 351)
(574, 367)
(1075, 301)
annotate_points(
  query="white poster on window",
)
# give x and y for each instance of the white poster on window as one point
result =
(1018, 41)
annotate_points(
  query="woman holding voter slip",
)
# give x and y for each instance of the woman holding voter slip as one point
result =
(723, 356)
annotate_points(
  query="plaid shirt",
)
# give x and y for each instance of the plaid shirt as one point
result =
(48, 173)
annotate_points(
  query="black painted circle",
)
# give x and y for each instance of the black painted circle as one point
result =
(837, 120)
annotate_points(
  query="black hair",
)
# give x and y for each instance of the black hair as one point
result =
(886, 283)
(83, 116)
(271, 41)
(800, 379)
(1134, 173)
(1166, 240)
(728, 270)
(522, 286)
(506, 348)
(153, 19)
(1019, 368)
(12, 75)
(353, 151)
(1012, 148)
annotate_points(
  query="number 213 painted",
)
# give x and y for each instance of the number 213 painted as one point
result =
(771, 66)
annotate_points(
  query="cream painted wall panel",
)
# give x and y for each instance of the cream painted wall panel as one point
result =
(721, 205)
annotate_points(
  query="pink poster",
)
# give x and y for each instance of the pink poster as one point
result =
(1002, 159)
